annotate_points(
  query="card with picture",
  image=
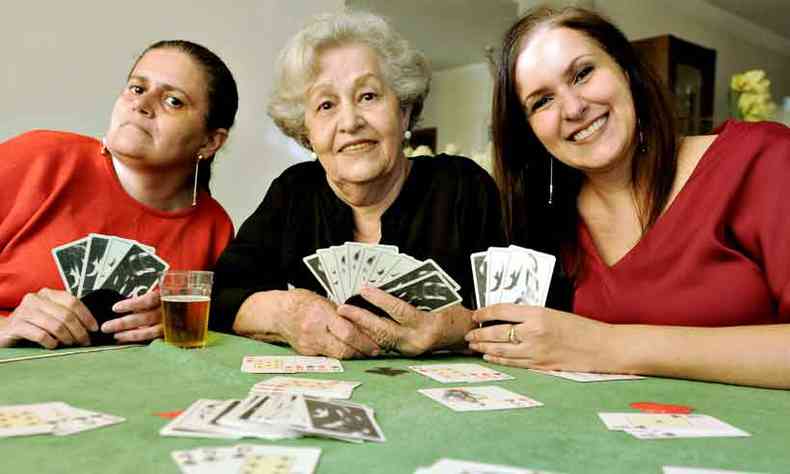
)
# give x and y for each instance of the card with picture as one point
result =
(511, 275)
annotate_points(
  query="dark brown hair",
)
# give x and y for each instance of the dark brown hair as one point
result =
(521, 163)
(221, 90)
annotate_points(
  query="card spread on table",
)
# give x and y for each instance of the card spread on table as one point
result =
(478, 398)
(343, 269)
(341, 389)
(587, 376)
(511, 275)
(668, 426)
(459, 373)
(56, 418)
(105, 261)
(697, 470)
(290, 364)
(247, 459)
(276, 415)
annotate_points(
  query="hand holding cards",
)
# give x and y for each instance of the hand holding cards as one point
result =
(343, 270)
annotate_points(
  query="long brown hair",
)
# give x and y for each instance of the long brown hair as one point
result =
(522, 163)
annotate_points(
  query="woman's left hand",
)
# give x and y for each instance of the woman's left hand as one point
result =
(540, 338)
(141, 320)
(412, 332)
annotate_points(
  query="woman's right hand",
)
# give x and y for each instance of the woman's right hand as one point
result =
(51, 318)
(308, 322)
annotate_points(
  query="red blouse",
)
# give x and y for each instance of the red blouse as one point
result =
(719, 255)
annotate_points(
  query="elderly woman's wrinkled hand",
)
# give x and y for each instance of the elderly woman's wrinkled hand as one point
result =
(314, 328)
(540, 338)
(410, 332)
(51, 318)
(141, 319)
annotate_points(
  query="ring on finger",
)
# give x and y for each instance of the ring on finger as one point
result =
(511, 335)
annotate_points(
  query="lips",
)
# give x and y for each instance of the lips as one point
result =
(357, 145)
(587, 131)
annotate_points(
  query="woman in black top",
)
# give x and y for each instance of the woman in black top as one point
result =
(349, 89)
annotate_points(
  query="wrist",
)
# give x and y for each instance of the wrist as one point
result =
(458, 322)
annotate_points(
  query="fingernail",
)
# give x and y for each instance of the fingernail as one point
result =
(118, 307)
(375, 353)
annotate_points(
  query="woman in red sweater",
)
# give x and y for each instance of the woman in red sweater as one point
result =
(674, 251)
(148, 181)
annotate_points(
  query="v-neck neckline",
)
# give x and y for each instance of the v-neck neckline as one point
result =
(587, 240)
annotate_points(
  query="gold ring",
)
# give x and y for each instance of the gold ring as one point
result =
(511, 335)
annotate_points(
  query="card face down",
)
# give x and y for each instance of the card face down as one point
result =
(100, 303)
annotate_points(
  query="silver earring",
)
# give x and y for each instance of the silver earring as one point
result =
(407, 134)
(642, 144)
(551, 181)
(194, 187)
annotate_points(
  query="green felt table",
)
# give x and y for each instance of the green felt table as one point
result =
(565, 435)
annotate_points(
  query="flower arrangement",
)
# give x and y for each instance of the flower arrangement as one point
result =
(750, 96)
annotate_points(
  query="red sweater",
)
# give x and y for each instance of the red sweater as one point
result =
(57, 187)
(720, 254)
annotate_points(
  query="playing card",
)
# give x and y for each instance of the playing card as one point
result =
(697, 470)
(69, 260)
(289, 364)
(113, 254)
(210, 460)
(38, 418)
(345, 420)
(275, 415)
(427, 293)
(381, 268)
(94, 257)
(248, 458)
(496, 265)
(459, 373)
(329, 265)
(529, 271)
(136, 273)
(403, 264)
(479, 398)
(667, 426)
(587, 376)
(313, 263)
(313, 387)
(83, 420)
(370, 258)
(453, 466)
(341, 257)
(195, 421)
(479, 276)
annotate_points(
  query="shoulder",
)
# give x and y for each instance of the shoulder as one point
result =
(212, 213)
(303, 171)
(49, 139)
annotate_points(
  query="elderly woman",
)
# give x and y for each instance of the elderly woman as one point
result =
(349, 89)
(675, 248)
(148, 181)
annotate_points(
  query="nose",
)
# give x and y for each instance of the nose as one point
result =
(349, 118)
(573, 106)
(142, 104)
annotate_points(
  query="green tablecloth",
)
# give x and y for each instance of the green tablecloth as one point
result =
(565, 435)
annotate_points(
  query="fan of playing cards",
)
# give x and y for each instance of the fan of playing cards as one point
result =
(106, 261)
(342, 270)
(511, 275)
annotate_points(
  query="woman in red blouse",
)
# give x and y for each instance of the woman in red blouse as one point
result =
(675, 252)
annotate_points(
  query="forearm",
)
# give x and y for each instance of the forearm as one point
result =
(744, 355)
(260, 314)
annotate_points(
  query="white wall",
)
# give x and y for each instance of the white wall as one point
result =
(65, 62)
(739, 44)
(460, 100)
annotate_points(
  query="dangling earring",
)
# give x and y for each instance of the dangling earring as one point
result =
(407, 135)
(194, 188)
(642, 145)
(551, 181)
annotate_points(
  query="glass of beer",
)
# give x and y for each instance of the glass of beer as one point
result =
(186, 297)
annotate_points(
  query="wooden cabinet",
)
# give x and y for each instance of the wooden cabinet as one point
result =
(689, 71)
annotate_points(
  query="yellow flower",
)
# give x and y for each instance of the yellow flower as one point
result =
(751, 81)
(756, 106)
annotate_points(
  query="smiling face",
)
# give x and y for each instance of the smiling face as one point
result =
(353, 118)
(577, 100)
(159, 119)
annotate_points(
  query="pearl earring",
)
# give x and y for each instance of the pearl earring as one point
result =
(313, 155)
(407, 134)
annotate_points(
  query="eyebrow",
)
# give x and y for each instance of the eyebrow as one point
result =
(565, 74)
(319, 86)
(163, 85)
